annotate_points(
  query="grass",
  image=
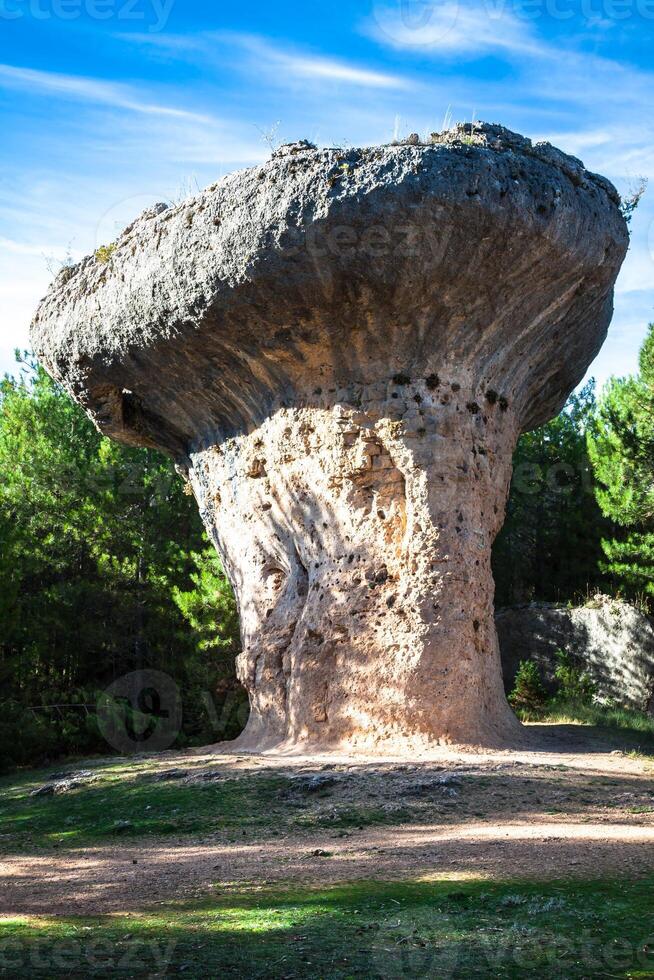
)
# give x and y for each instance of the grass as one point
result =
(635, 728)
(125, 802)
(440, 928)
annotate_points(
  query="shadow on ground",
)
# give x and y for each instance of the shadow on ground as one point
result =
(449, 929)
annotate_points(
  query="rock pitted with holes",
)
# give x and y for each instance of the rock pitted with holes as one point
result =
(340, 349)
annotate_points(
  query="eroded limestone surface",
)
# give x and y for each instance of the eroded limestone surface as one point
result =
(340, 350)
(358, 540)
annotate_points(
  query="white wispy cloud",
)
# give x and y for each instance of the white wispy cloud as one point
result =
(451, 28)
(84, 89)
(637, 273)
(281, 63)
(24, 281)
(175, 143)
(304, 65)
(611, 106)
(623, 152)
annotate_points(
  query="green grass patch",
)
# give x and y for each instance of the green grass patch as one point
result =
(125, 802)
(453, 929)
(633, 729)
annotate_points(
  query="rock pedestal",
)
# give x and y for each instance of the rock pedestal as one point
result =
(358, 541)
(340, 350)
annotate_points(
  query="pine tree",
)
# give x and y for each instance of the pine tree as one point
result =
(550, 546)
(97, 541)
(621, 447)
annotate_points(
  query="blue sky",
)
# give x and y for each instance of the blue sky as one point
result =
(107, 106)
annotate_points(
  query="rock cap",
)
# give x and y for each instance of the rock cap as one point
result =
(477, 250)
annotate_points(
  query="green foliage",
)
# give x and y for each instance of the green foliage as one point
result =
(528, 692)
(103, 570)
(550, 546)
(621, 447)
(104, 252)
(208, 605)
(575, 685)
(529, 698)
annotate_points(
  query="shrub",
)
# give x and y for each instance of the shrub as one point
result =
(528, 693)
(104, 253)
(575, 685)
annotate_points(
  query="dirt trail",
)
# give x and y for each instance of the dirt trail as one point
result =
(568, 806)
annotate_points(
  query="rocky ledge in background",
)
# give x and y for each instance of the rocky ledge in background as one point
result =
(340, 349)
(609, 639)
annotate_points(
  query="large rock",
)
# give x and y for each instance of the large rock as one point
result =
(610, 639)
(340, 349)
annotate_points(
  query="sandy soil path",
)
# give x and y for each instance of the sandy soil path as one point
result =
(565, 807)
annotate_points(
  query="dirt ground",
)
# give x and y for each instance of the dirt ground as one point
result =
(568, 805)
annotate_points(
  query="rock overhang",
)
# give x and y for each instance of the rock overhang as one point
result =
(326, 269)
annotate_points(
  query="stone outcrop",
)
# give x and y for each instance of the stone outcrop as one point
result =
(340, 349)
(609, 639)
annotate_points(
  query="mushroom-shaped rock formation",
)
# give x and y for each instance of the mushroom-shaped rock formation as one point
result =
(340, 349)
